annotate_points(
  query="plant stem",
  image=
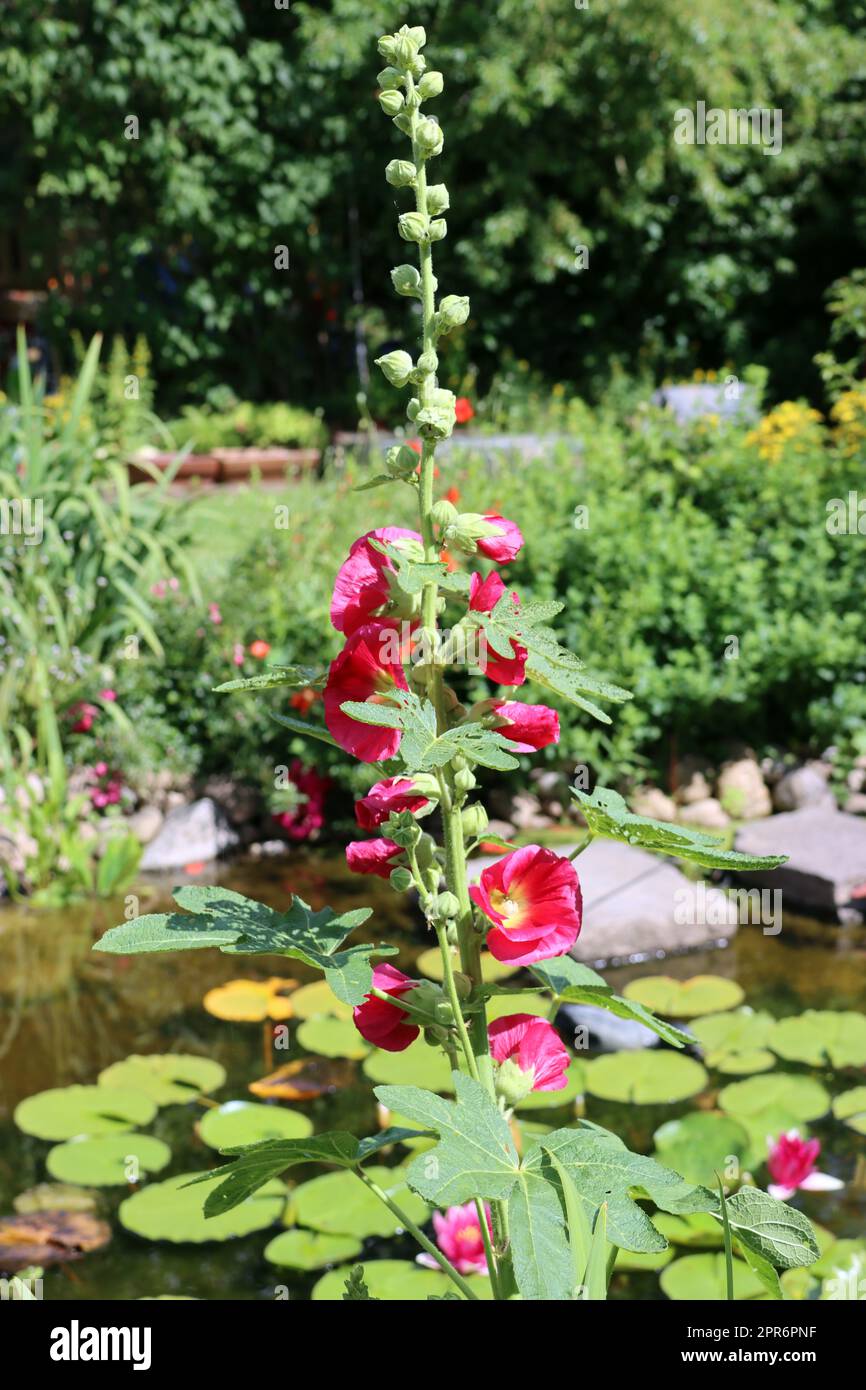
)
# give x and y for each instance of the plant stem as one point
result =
(419, 1235)
(454, 1001)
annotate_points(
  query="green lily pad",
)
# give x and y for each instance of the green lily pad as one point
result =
(311, 1000)
(419, 1065)
(332, 1037)
(168, 1079)
(245, 1122)
(850, 1107)
(775, 1095)
(698, 1230)
(537, 1003)
(735, 1042)
(702, 994)
(822, 1037)
(170, 1211)
(396, 1281)
(644, 1078)
(67, 1111)
(799, 1284)
(631, 1261)
(310, 1249)
(340, 1204)
(700, 1145)
(429, 963)
(55, 1196)
(702, 1278)
(840, 1261)
(552, 1100)
(111, 1161)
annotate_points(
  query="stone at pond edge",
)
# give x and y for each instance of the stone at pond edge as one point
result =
(190, 834)
(607, 1033)
(826, 868)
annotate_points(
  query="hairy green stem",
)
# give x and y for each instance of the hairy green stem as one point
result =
(409, 1225)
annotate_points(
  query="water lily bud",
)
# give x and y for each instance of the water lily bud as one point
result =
(401, 173)
(474, 819)
(391, 102)
(430, 137)
(413, 226)
(397, 367)
(431, 85)
(512, 1084)
(438, 199)
(390, 79)
(443, 908)
(443, 513)
(406, 280)
(437, 229)
(401, 461)
(465, 779)
(401, 880)
(452, 312)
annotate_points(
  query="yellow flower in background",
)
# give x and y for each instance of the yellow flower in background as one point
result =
(849, 421)
(790, 426)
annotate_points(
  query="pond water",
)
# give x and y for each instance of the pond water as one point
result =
(66, 1013)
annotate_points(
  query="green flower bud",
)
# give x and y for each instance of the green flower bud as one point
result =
(468, 530)
(401, 880)
(401, 173)
(403, 122)
(397, 367)
(401, 461)
(418, 34)
(418, 67)
(413, 408)
(391, 102)
(406, 51)
(443, 513)
(436, 419)
(390, 79)
(403, 829)
(465, 779)
(406, 280)
(443, 1013)
(428, 362)
(512, 1084)
(474, 819)
(431, 85)
(443, 907)
(413, 226)
(387, 46)
(430, 137)
(438, 199)
(452, 312)
(438, 229)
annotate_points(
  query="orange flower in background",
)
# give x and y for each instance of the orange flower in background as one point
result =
(303, 700)
(259, 649)
(463, 411)
(453, 496)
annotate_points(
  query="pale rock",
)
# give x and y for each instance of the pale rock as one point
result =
(190, 834)
(650, 801)
(705, 815)
(802, 787)
(742, 792)
(146, 823)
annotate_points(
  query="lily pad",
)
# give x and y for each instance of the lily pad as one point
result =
(698, 1230)
(49, 1238)
(310, 1249)
(332, 1037)
(245, 1122)
(632, 1261)
(702, 1278)
(111, 1161)
(429, 963)
(306, 1079)
(734, 1042)
(775, 1095)
(396, 1281)
(171, 1211)
(702, 994)
(340, 1204)
(419, 1065)
(55, 1196)
(319, 998)
(822, 1037)
(551, 1100)
(700, 1145)
(645, 1078)
(167, 1078)
(519, 1003)
(68, 1111)
(850, 1107)
(251, 1001)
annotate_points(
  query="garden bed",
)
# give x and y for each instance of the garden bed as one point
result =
(229, 465)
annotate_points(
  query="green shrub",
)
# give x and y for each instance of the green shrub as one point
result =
(243, 423)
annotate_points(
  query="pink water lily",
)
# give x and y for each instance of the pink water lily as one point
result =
(532, 896)
(791, 1163)
(362, 585)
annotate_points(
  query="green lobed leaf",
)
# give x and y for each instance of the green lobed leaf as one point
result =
(422, 747)
(294, 676)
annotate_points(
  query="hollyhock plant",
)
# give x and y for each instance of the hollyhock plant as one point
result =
(528, 727)
(484, 594)
(362, 673)
(305, 819)
(363, 587)
(83, 715)
(532, 897)
(504, 543)
(791, 1163)
(536, 1057)
(385, 1024)
(378, 857)
(386, 799)
(458, 1236)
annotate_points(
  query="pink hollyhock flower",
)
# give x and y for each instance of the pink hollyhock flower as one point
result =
(109, 696)
(458, 1235)
(159, 589)
(306, 819)
(387, 798)
(792, 1162)
(364, 670)
(82, 714)
(384, 1025)
(506, 544)
(529, 727)
(213, 612)
(362, 585)
(532, 897)
(377, 857)
(238, 654)
(533, 1046)
(484, 594)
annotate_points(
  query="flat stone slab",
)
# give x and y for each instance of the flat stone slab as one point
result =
(637, 905)
(193, 834)
(826, 869)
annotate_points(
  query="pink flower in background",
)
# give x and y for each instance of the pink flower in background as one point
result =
(238, 654)
(387, 798)
(504, 546)
(377, 857)
(106, 788)
(529, 727)
(484, 594)
(532, 897)
(304, 821)
(458, 1235)
(534, 1046)
(364, 671)
(362, 587)
(384, 1025)
(159, 589)
(82, 715)
(213, 612)
(109, 696)
(791, 1163)
(259, 649)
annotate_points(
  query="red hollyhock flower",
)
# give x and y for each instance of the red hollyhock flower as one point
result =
(533, 899)
(534, 1046)
(483, 598)
(384, 1025)
(307, 818)
(505, 546)
(463, 411)
(83, 714)
(529, 727)
(362, 587)
(259, 649)
(377, 857)
(362, 672)
(386, 798)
